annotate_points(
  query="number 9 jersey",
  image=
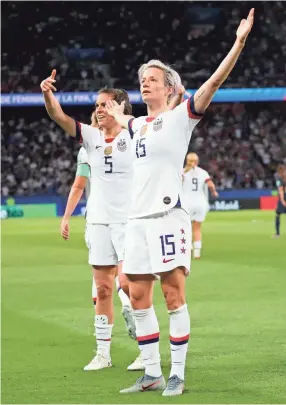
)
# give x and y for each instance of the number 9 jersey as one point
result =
(111, 171)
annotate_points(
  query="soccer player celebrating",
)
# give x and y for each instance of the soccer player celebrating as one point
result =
(281, 204)
(81, 183)
(196, 182)
(158, 233)
(110, 162)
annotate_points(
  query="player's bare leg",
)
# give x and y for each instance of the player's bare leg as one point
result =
(197, 239)
(173, 287)
(94, 294)
(128, 315)
(104, 279)
(123, 293)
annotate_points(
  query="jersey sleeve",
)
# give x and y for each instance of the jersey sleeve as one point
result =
(85, 134)
(278, 183)
(206, 176)
(186, 117)
(134, 124)
(83, 170)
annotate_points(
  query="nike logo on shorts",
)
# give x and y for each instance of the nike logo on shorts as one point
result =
(167, 260)
(98, 146)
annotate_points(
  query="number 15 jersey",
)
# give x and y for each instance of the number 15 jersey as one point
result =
(159, 149)
(110, 175)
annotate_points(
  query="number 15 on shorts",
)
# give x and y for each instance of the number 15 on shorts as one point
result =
(168, 247)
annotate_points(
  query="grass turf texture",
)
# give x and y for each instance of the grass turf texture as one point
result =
(236, 295)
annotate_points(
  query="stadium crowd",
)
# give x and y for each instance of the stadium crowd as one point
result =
(88, 41)
(239, 144)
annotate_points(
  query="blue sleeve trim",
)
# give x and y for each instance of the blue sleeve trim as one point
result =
(191, 105)
(78, 135)
(130, 127)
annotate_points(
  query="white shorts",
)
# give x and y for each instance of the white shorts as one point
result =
(105, 243)
(159, 243)
(199, 211)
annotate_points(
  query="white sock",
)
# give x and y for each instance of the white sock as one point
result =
(94, 291)
(103, 333)
(125, 301)
(197, 244)
(147, 329)
(180, 325)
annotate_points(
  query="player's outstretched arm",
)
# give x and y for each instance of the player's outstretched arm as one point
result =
(54, 108)
(73, 199)
(117, 111)
(205, 93)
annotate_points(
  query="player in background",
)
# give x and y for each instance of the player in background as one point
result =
(81, 183)
(281, 204)
(158, 233)
(110, 161)
(196, 183)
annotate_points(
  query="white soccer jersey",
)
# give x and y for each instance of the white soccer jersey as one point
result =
(159, 147)
(194, 184)
(111, 175)
(82, 159)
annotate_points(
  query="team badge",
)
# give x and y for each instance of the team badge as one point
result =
(143, 130)
(157, 124)
(108, 150)
(121, 145)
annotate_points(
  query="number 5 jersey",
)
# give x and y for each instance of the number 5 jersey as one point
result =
(111, 170)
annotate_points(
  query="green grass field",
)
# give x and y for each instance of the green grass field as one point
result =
(236, 295)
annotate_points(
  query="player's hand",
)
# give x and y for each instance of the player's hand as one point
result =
(47, 84)
(65, 229)
(245, 27)
(215, 194)
(113, 108)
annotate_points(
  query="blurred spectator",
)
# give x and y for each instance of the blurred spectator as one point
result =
(92, 44)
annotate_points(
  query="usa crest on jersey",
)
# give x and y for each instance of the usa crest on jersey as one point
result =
(157, 124)
(121, 145)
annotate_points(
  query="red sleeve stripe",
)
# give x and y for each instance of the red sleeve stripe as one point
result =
(206, 180)
(191, 109)
(78, 135)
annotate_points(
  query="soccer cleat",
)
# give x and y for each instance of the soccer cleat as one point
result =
(129, 321)
(197, 253)
(175, 386)
(137, 364)
(146, 383)
(98, 362)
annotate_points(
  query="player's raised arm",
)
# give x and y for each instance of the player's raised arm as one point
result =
(117, 111)
(54, 108)
(205, 93)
